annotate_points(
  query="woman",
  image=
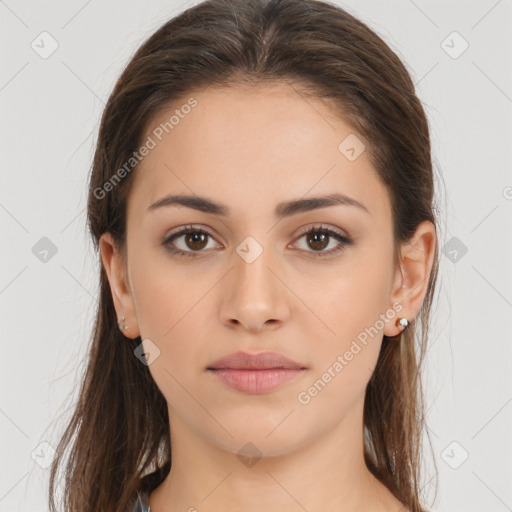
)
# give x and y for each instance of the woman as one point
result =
(262, 201)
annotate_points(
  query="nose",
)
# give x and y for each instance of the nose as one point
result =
(255, 296)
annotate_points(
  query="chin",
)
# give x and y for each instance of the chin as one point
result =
(264, 440)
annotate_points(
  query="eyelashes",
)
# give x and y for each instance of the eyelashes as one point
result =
(325, 232)
(169, 245)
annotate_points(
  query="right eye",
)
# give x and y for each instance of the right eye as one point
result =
(194, 241)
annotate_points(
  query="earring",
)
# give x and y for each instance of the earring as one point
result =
(122, 327)
(403, 323)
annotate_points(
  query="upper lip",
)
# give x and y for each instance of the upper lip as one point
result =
(260, 361)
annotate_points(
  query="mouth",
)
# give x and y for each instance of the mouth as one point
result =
(256, 381)
(260, 361)
(255, 373)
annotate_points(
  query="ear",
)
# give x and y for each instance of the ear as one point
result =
(115, 267)
(412, 275)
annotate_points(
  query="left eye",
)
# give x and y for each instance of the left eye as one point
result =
(318, 239)
(196, 239)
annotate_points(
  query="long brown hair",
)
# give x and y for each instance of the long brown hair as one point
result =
(119, 430)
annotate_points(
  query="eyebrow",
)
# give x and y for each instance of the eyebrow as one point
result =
(284, 209)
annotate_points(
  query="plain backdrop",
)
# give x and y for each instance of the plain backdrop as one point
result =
(59, 63)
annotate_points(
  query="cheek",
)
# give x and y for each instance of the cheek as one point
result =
(170, 315)
(347, 299)
(164, 296)
(345, 355)
(348, 307)
(170, 307)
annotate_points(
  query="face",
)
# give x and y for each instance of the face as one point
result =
(315, 285)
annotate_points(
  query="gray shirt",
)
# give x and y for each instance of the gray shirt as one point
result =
(141, 503)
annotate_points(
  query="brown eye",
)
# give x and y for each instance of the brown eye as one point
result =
(318, 238)
(194, 241)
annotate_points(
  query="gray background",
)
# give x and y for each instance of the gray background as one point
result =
(51, 109)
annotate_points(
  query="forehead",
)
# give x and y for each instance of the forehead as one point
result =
(267, 143)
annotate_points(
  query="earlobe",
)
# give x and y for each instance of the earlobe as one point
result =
(115, 269)
(413, 275)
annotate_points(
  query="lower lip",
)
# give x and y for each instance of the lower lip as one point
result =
(256, 381)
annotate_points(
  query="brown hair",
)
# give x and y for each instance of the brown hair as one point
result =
(119, 431)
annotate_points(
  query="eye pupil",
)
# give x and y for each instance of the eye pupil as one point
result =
(196, 238)
(314, 237)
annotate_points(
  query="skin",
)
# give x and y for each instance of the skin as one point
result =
(250, 149)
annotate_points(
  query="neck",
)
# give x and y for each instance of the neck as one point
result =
(326, 474)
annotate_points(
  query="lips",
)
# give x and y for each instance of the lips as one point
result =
(260, 361)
